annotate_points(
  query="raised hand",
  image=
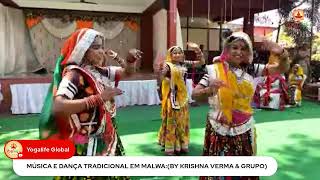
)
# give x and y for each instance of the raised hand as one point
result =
(158, 63)
(199, 55)
(109, 92)
(134, 55)
(215, 84)
(193, 46)
(111, 53)
(272, 46)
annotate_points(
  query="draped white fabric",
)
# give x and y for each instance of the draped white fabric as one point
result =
(189, 89)
(138, 93)
(46, 46)
(16, 55)
(29, 98)
(258, 80)
(160, 34)
(178, 31)
(275, 100)
(123, 42)
(28, 50)
(109, 29)
(60, 29)
(57, 28)
(48, 36)
(275, 97)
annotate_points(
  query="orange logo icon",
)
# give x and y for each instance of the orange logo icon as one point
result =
(298, 15)
(13, 149)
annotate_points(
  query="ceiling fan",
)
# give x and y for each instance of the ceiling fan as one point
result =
(87, 2)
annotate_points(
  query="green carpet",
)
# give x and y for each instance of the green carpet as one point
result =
(292, 137)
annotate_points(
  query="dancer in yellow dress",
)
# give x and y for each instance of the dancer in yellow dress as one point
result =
(230, 125)
(174, 131)
(296, 81)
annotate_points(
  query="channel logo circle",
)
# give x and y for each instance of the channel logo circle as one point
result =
(13, 149)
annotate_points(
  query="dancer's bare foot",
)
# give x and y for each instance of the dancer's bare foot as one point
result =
(184, 151)
(170, 154)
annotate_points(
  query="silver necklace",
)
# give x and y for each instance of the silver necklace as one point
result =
(234, 69)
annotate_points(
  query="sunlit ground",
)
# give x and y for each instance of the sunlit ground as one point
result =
(292, 137)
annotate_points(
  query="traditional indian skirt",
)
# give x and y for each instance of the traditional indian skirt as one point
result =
(174, 134)
(219, 145)
(81, 150)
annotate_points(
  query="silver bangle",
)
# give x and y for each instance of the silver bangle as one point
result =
(116, 57)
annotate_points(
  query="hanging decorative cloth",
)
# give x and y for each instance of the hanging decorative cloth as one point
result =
(32, 21)
(58, 32)
(133, 25)
(109, 29)
(84, 24)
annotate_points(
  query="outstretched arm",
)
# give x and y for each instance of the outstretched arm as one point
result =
(206, 88)
(64, 102)
(201, 92)
(284, 64)
(199, 55)
(128, 65)
(164, 71)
